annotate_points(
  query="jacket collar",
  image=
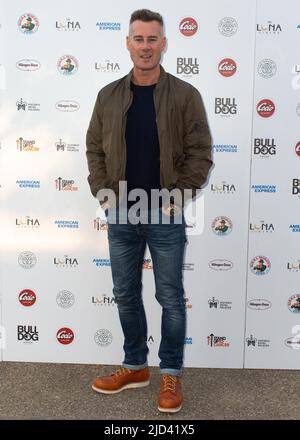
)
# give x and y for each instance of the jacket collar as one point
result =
(161, 80)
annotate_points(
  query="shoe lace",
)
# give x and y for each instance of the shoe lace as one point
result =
(169, 382)
(120, 371)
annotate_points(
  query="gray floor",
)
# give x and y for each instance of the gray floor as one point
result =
(62, 391)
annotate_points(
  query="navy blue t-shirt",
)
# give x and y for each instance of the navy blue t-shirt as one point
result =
(143, 158)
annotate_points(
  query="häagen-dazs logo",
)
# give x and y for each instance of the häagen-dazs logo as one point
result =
(259, 304)
(220, 264)
(67, 106)
(28, 65)
(28, 24)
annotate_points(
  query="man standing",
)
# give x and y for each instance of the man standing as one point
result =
(149, 129)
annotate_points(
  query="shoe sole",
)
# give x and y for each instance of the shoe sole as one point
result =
(125, 387)
(169, 410)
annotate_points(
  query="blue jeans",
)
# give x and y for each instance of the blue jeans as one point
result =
(166, 242)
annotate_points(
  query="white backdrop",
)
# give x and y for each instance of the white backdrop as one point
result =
(56, 287)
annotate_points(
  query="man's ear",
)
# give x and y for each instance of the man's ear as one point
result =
(127, 42)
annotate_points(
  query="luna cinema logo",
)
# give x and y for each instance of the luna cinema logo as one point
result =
(67, 25)
(65, 262)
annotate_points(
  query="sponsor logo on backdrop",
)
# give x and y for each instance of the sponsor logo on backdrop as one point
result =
(217, 341)
(65, 262)
(264, 147)
(187, 303)
(187, 66)
(28, 65)
(294, 228)
(100, 262)
(107, 66)
(293, 267)
(296, 77)
(63, 146)
(262, 227)
(228, 26)
(222, 188)
(227, 67)
(65, 299)
(292, 342)
(27, 333)
(27, 222)
(259, 304)
(67, 65)
(103, 300)
(251, 341)
(269, 28)
(188, 266)
(67, 25)
(70, 224)
(220, 264)
(67, 106)
(65, 336)
(188, 26)
(108, 26)
(30, 106)
(26, 145)
(28, 183)
(147, 263)
(188, 341)
(65, 184)
(221, 226)
(260, 265)
(298, 109)
(28, 24)
(27, 297)
(214, 303)
(267, 68)
(264, 188)
(296, 186)
(103, 337)
(297, 149)
(265, 108)
(27, 259)
(294, 303)
(225, 106)
(100, 224)
(225, 148)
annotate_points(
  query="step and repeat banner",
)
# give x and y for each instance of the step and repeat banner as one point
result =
(241, 266)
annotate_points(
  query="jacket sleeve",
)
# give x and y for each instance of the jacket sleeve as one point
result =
(197, 145)
(94, 152)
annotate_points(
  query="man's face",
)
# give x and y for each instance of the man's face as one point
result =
(145, 44)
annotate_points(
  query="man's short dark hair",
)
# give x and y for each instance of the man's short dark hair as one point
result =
(146, 15)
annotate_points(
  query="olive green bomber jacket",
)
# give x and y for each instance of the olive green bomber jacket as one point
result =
(183, 132)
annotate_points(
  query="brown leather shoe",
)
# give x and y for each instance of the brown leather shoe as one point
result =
(121, 380)
(170, 394)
